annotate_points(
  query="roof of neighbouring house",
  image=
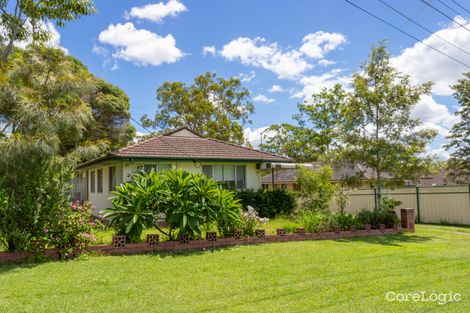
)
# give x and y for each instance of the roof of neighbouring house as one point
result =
(340, 173)
(183, 143)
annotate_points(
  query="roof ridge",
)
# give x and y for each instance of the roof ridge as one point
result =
(246, 148)
(134, 144)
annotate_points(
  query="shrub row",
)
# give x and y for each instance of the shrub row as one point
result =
(269, 203)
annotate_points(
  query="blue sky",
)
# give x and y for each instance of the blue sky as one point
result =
(297, 46)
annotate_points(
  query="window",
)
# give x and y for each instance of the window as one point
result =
(241, 176)
(232, 176)
(157, 167)
(207, 170)
(92, 182)
(99, 174)
(112, 178)
(150, 167)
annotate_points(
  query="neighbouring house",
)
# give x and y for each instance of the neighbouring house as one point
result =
(286, 178)
(236, 167)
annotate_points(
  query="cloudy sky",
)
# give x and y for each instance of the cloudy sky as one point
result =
(283, 51)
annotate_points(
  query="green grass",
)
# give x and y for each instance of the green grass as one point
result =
(349, 275)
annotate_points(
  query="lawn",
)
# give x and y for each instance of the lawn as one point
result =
(350, 275)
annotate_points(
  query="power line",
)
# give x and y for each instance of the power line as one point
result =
(138, 123)
(450, 18)
(406, 33)
(449, 7)
(461, 6)
(422, 27)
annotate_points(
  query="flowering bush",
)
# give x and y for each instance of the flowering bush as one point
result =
(72, 229)
(251, 221)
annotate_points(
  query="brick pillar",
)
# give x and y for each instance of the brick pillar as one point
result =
(408, 220)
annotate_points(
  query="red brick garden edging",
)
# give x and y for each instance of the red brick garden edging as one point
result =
(119, 246)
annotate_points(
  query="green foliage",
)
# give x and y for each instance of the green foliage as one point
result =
(342, 220)
(316, 188)
(72, 229)
(188, 203)
(378, 131)
(316, 136)
(212, 106)
(459, 145)
(377, 217)
(390, 204)
(311, 220)
(25, 20)
(47, 101)
(269, 203)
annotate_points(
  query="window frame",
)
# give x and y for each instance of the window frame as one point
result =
(99, 180)
(92, 181)
(112, 179)
(223, 181)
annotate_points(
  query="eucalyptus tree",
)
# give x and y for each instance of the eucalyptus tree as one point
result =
(212, 106)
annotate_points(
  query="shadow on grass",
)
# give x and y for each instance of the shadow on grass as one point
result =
(391, 240)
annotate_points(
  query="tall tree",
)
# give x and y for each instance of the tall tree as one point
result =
(24, 20)
(317, 133)
(43, 85)
(378, 130)
(53, 113)
(459, 145)
(212, 106)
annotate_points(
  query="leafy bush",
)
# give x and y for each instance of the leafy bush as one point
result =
(311, 220)
(390, 204)
(377, 217)
(269, 203)
(72, 229)
(251, 221)
(342, 220)
(316, 188)
(135, 204)
(188, 203)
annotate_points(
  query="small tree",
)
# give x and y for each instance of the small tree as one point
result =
(378, 131)
(316, 188)
(459, 145)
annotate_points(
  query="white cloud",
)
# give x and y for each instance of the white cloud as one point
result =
(325, 62)
(158, 11)
(140, 46)
(424, 64)
(246, 77)
(440, 152)
(315, 83)
(253, 136)
(263, 99)
(316, 45)
(434, 115)
(276, 88)
(209, 50)
(258, 53)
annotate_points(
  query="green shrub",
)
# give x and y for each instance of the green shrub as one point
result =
(316, 188)
(269, 203)
(377, 217)
(72, 229)
(311, 220)
(189, 203)
(343, 221)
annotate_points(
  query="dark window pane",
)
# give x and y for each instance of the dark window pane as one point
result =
(99, 174)
(207, 170)
(92, 181)
(241, 176)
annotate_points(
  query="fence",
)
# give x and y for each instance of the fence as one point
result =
(434, 204)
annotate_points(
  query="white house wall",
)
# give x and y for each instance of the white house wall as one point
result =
(125, 169)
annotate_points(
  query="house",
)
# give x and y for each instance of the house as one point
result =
(286, 178)
(235, 166)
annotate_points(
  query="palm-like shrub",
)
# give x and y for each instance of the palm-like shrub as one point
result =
(188, 203)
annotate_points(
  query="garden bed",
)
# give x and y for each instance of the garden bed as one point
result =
(175, 246)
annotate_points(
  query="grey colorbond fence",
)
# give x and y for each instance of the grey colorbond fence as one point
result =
(434, 204)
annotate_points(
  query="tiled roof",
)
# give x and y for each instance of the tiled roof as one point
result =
(340, 173)
(182, 143)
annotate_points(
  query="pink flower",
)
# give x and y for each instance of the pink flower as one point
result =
(80, 220)
(92, 223)
(45, 230)
(74, 206)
